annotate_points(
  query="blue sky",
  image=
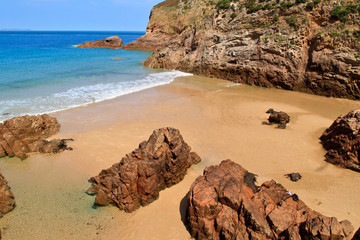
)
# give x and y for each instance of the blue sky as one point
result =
(121, 15)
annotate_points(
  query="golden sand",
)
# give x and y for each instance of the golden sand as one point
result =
(217, 118)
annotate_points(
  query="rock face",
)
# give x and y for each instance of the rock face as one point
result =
(110, 42)
(7, 201)
(295, 45)
(225, 203)
(137, 179)
(22, 135)
(342, 141)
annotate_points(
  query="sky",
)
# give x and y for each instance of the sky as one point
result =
(105, 15)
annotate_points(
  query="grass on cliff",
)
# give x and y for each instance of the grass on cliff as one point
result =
(168, 3)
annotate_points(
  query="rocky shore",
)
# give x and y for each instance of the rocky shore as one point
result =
(296, 45)
(21, 136)
(225, 203)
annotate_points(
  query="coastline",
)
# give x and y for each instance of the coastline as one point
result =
(217, 118)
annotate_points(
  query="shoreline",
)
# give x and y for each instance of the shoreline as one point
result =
(217, 118)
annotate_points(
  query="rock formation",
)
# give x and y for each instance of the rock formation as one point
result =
(280, 118)
(342, 141)
(294, 176)
(137, 179)
(7, 201)
(309, 46)
(225, 203)
(110, 42)
(27, 134)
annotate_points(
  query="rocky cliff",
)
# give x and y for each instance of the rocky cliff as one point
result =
(303, 45)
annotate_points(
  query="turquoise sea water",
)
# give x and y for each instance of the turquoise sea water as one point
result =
(42, 72)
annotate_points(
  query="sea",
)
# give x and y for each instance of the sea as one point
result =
(44, 72)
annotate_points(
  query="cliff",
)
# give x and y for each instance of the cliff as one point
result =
(302, 45)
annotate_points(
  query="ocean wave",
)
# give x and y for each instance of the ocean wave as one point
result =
(84, 95)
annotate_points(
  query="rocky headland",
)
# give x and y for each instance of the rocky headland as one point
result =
(110, 42)
(303, 45)
(20, 136)
(225, 203)
(342, 141)
(137, 179)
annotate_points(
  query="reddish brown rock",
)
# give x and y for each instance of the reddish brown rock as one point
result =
(7, 201)
(280, 118)
(110, 42)
(342, 141)
(225, 203)
(138, 178)
(263, 43)
(22, 135)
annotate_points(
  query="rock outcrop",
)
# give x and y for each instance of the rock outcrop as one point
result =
(7, 201)
(342, 141)
(27, 134)
(308, 46)
(110, 42)
(294, 176)
(279, 118)
(137, 179)
(225, 203)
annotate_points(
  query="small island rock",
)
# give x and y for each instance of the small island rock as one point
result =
(110, 42)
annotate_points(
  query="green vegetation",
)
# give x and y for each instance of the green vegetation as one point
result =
(233, 15)
(223, 4)
(310, 5)
(301, 1)
(276, 18)
(357, 55)
(335, 34)
(284, 4)
(293, 22)
(356, 34)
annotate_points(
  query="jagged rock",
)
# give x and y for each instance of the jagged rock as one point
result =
(225, 203)
(342, 141)
(259, 43)
(137, 179)
(7, 201)
(356, 235)
(110, 42)
(294, 176)
(22, 135)
(280, 118)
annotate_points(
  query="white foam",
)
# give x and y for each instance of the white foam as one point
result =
(85, 95)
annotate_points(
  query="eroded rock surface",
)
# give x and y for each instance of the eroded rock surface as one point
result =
(225, 203)
(7, 201)
(295, 45)
(138, 178)
(342, 141)
(279, 118)
(110, 42)
(27, 134)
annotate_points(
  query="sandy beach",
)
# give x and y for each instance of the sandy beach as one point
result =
(218, 119)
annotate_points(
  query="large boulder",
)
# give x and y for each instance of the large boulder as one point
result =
(110, 42)
(138, 178)
(225, 203)
(342, 141)
(27, 134)
(7, 201)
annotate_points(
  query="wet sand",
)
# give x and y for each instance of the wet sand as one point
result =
(217, 118)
